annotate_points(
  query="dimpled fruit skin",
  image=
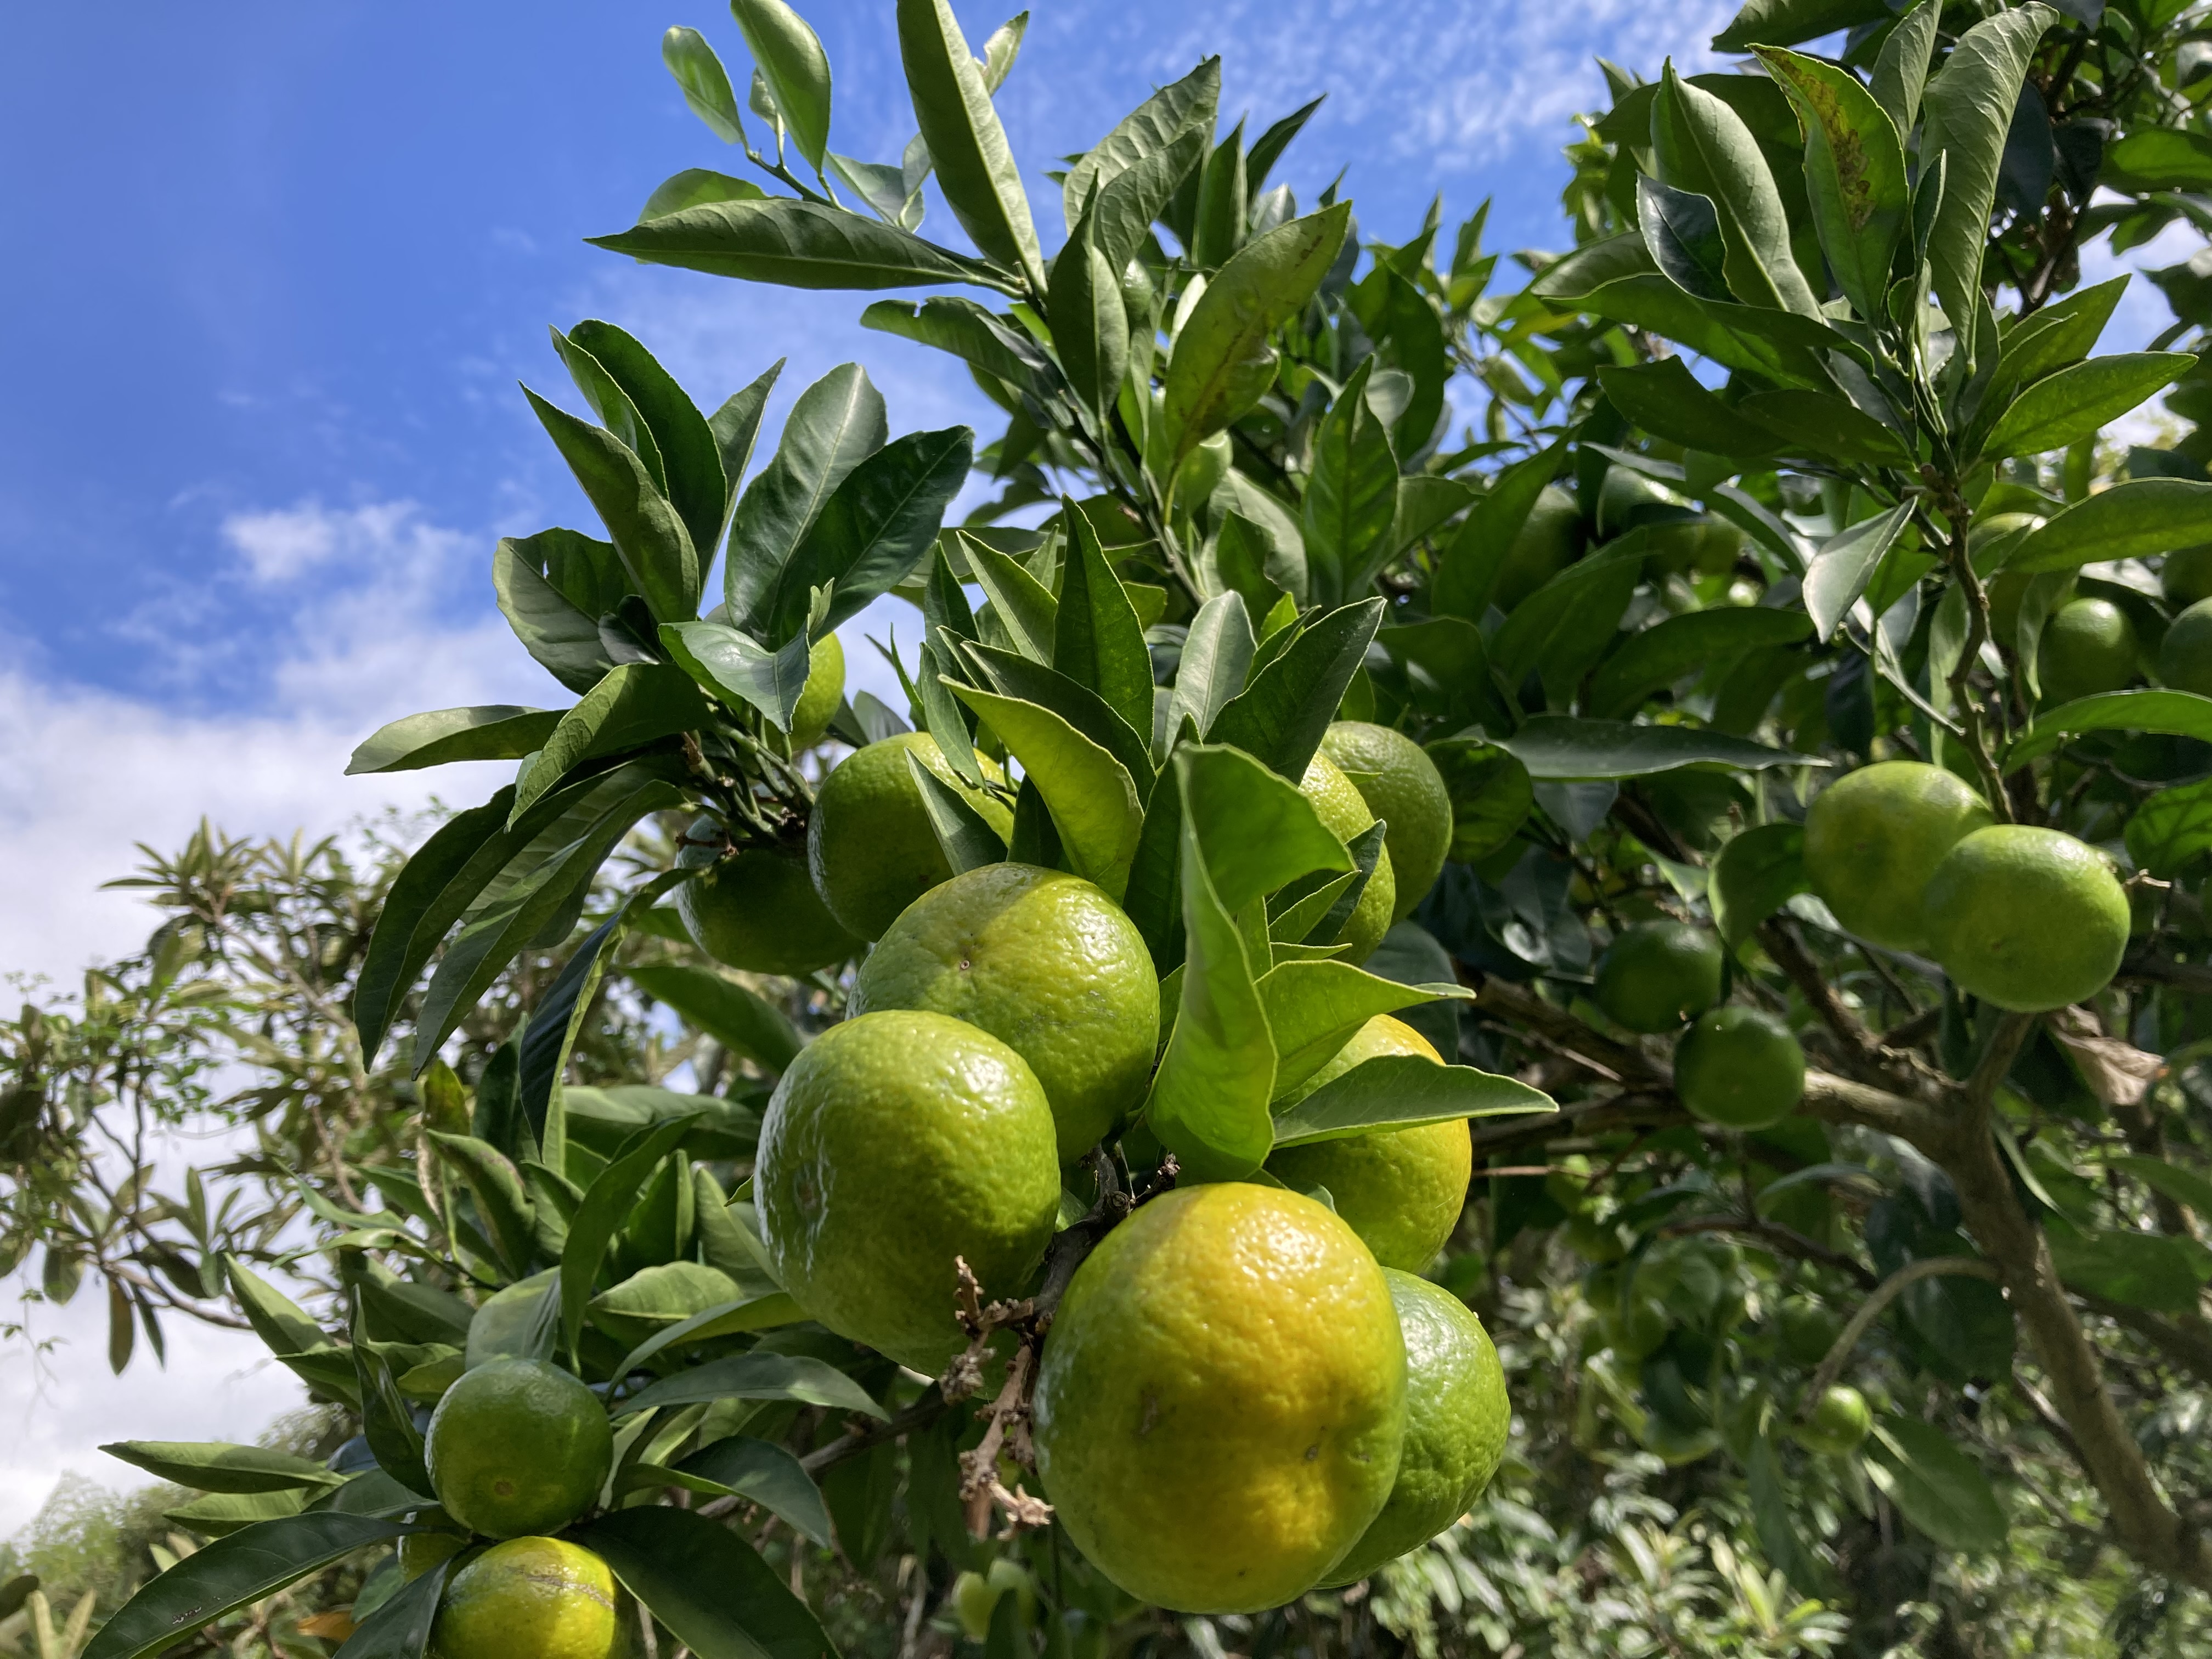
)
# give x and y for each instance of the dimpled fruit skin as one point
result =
(1456, 1418)
(1653, 977)
(1048, 965)
(823, 691)
(895, 1142)
(2185, 655)
(1402, 1190)
(869, 842)
(1402, 786)
(1347, 815)
(2027, 919)
(1222, 1398)
(758, 910)
(1740, 1068)
(2088, 646)
(531, 1598)
(1874, 837)
(518, 1446)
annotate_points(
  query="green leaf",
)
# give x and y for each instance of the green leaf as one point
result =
(2177, 714)
(706, 1585)
(231, 1573)
(2142, 1270)
(1090, 322)
(281, 1324)
(1093, 800)
(874, 530)
(490, 731)
(2170, 831)
(496, 1184)
(754, 1376)
(1486, 539)
(967, 330)
(1402, 1091)
(1156, 125)
(1968, 111)
(2076, 403)
(522, 1322)
(1223, 362)
(1023, 604)
(1560, 749)
(661, 1299)
(1217, 656)
(795, 245)
(1854, 174)
(1756, 874)
(214, 1466)
(837, 422)
(655, 549)
(221, 1514)
(2053, 337)
(1900, 71)
(706, 83)
(1012, 675)
(967, 840)
(725, 1011)
(635, 704)
(1315, 1007)
(694, 187)
(681, 435)
(2183, 1186)
(1816, 422)
(1786, 22)
(736, 425)
(399, 1627)
(974, 164)
(1131, 200)
(739, 669)
(553, 588)
(1491, 795)
(1666, 400)
(1259, 832)
(763, 1473)
(1224, 204)
(1561, 629)
(1283, 711)
(1680, 646)
(1940, 1489)
(387, 1416)
(2158, 158)
(607, 1205)
(1845, 565)
(1351, 496)
(2139, 519)
(1703, 146)
(1780, 345)
(1097, 640)
(797, 70)
(758, 1310)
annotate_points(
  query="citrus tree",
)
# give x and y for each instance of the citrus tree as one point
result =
(1730, 764)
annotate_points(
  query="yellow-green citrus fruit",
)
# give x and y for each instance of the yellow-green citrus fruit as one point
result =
(1402, 1190)
(870, 844)
(1838, 1421)
(2186, 576)
(1654, 975)
(2088, 646)
(895, 1142)
(1627, 498)
(1740, 1068)
(1808, 1328)
(518, 1446)
(2185, 655)
(1048, 965)
(1222, 1398)
(1874, 837)
(2027, 919)
(1456, 1418)
(1402, 786)
(823, 691)
(758, 909)
(419, 1551)
(1546, 545)
(531, 1598)
(1347, 815)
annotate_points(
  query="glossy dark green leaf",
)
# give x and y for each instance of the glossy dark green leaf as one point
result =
(1780, 345)
(1223, 362)
(1854, 173)
(1819, 423)
(2141, 1270)
(607, 1205)
(1938, 1488)
(689, 453)
(755, 1376)
(1012, 675)
(974, 164)
(795, 245)
(1479, 551)
(1786, 22)
(2172, 829)
(214, 1466)
(725, 1011)
(634, 704)
(1757, 872)
(1093, 800)
(1703, 146)
(493, 731)
(2077, 403)
(2177, 714)
(967, 330)
(871, 531)
(1491, 795)
(1224, 206)
(553, 588)
(1097, 640)
(1402, 1091)
(496, 1185)
(1560, 749)
(1559, 631)
(1665, 399)
(1181, 108)
(797, 70)
(2138, 519)
(763, 1473)
(706, 83)
(1351, 496)
(836, 423)
(612, 405)
(706, 1585)
(1845, 565)
(231, 1573)
(1280, 716)
(656, 550)
(739, 669)
(1090, 324)
(1682, 230)
(1697, 641)
(2054, 337)
(399, 1627)
(387, 1417)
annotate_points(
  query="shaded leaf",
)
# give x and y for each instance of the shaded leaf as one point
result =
(763, 1473)
(796, 68)
(2178, 714)
(214, 1466)
(794, 245)
(1558, 748)
(2138, 519)
(836, 424)
(1402, 1091)
(1845, 565)
(2077, 403)
(655, 549)
(974, 164)
(1940, 1488)
(1757, 872)
(707, 1584)
(755, 1376)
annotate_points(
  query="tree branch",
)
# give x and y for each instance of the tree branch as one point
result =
(1888, 1291)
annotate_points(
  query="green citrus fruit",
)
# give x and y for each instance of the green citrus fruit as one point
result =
(895, 1143)
(1653, 977)
(1045, 963)
(1546, 545)
(419, 1551)
(1627, 498)
(1347, 815)
(2185, 656)
(531, 1598)
(1740, 1068)
(1222, 1399)
(1872, 837)
(2027, 919)
(758, 909)
(819, 697)
(518, 1446)
(2087, 647)
(1402, 1190)
(1706, 547)
(870, 844)
(1838, 1421)
(1808, 1328)
(1596, 1241)
(2008, 591)
(1402, 786)
(2186, 576)
(1456, 1418)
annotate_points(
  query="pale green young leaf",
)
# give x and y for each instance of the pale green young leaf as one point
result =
(705, 83)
